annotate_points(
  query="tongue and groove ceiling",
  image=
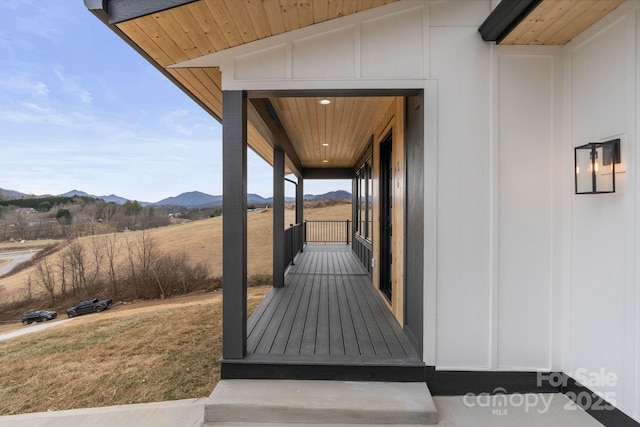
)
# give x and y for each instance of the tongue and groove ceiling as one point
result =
(185, 30)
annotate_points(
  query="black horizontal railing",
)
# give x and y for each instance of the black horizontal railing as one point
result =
(328, 231)
(294, 238)
(297, 235)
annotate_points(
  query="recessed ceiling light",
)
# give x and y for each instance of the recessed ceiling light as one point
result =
(325, 161)
(325, 144)
(325, 101)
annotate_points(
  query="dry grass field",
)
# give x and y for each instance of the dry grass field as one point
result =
(201, 241)
(142, 352)
(129, 354)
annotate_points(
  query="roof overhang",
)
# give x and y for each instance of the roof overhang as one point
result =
(543, 22)
(170, 32)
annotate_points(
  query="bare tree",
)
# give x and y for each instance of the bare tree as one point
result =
(97, 252)
(18, 222)
(131, 257)
(29, 289)
(111, 247)
(62, 266)
(75, 254)
(45, 278)
(106, 213)
(147, 251)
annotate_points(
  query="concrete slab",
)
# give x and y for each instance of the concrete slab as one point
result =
(454, 411)
(328, 402)
(183, 413)
(523, 410)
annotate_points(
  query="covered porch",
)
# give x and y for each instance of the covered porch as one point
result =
(347, 312)
(326, 322)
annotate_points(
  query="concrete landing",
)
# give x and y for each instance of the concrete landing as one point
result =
(183, 413)
(320, 402)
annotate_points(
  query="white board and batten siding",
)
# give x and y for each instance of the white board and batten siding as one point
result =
(499, 221)
(377, 48)
(601, 305)
(520, 273)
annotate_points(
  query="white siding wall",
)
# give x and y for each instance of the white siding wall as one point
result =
(527, 197)
(602, 307)
(461, 64)
(499, 214)
(523, 274)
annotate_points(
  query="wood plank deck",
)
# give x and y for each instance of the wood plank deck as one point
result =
(327, 314)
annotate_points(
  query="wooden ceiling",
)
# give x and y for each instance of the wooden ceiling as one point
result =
(557, 22)
(345, 126)
(201, 27)
(207, 26)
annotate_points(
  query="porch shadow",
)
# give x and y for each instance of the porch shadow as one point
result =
(327, 322)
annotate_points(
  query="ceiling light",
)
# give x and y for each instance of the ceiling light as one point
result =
(325, 101)
(325, 161)
(325, 144)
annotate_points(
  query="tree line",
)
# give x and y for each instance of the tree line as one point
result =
(123, 266)
(65, 217)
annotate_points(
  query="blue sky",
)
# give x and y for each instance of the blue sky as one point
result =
(79, 109)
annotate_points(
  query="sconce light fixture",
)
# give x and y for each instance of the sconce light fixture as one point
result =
(596, 167)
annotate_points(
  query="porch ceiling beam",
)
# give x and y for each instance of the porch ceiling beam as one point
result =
(328, 173)
(263, 117)
(505, 18)
(124, 10)
(319, 93)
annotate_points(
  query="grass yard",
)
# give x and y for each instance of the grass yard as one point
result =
(125, 355)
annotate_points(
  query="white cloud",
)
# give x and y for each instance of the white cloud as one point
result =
(174, 121)
(24, 84)
(72, 87)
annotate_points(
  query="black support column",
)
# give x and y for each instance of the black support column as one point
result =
(234, 224)
(278, 217)
(300, 201)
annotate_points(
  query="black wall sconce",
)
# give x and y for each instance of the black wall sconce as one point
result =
(596, 167)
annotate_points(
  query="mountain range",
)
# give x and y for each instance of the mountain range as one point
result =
(191, 199)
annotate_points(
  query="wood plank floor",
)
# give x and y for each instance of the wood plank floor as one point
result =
(327, 312)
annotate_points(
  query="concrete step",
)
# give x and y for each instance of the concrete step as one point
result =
(320, 402)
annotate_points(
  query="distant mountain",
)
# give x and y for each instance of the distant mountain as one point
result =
(331, 195)
(115, 199)
(111, 198)
(256, 199)
(192, 199)
(75, 193)
(11, 194)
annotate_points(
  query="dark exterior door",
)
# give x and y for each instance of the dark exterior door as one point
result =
(386, 215)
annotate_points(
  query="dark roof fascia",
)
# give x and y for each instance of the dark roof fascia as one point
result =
(124, 10)
(99, 9)
(328, 173)
(505, 17)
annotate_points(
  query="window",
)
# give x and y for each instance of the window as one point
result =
(364, 200)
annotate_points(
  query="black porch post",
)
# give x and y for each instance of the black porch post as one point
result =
(278, 218)
(354, 208)
(234, 224)
(300, 201)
